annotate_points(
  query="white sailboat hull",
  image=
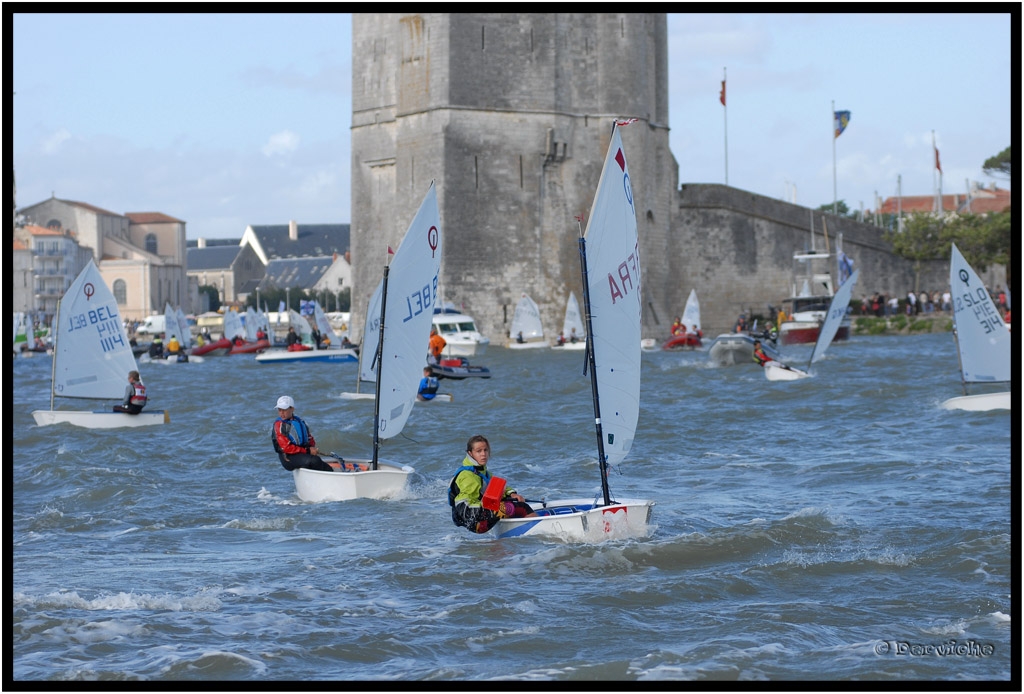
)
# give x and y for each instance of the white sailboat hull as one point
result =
(440, 397)
(358, 396)
(577, 346)
(279, 356)
(580, 520)
(387, 481)
(538, 343)
(101, 419)
(983, 402)
(775, 371)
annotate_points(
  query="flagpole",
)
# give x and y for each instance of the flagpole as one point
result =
(835, 195)
(725, 119)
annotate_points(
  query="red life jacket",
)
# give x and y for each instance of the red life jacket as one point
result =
(139, 396)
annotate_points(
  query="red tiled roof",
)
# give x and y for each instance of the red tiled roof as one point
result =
(37, 230)
(150, 217)
(981, 201)
(20, 245)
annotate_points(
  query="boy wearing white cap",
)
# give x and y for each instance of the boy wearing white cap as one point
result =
(293, 440)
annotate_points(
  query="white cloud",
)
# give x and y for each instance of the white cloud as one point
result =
(52, 144)
(281, 143)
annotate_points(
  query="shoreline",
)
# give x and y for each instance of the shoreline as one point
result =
(938, 322)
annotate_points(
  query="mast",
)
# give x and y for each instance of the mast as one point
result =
(602, 459)
(56, 336)
(377, 359)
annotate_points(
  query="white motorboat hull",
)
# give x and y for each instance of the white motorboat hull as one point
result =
(464, 347)
(983, 402)
(387, 481)
(579, 520)
(100, 419)
(775, 371)
(278, 356)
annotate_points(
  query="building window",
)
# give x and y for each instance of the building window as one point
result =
(120, 292)
(151, 243)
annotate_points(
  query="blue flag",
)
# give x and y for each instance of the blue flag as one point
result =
(845, 267)
(841, 120)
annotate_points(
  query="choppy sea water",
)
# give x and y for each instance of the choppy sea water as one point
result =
(842, 528)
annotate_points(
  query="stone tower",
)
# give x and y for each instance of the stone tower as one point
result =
(510, 115)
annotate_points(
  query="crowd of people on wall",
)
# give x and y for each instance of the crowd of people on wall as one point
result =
(917, 303)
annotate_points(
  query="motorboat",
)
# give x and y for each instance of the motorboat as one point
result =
(459, 331)
(730, 349)
(458, 368)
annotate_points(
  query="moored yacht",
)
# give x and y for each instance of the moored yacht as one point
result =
(459, 331)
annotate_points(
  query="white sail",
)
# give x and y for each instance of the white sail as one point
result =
(233, 325)
(186, 333)
(252, 324)
(411, 296)
(20, 330)
(836, 314)
(171, 326)
(691, 314)
(613, 279)
(371, 337)
(264, 322)
(573, 320)
(526, 320)
(92, 356)
(302, 328)
(981, 335)
(324, 326)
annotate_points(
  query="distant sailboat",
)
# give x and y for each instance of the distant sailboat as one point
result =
(778, 371)
(982, 340)
(526, 331)
(573, 332)
(92, 357)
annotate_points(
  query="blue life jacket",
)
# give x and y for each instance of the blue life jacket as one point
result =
(295, 429)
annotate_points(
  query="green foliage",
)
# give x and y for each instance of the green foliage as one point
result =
(870, 325)
(842, 209)
(999, 165)
(984, 239)
(899, 322)
(921, 326)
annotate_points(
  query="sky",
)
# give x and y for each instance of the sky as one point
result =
(227, 120)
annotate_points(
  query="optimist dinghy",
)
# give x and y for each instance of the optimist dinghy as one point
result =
(778, 371)
(403, 336)
(982, 340)
(610, 265)
(92, 357)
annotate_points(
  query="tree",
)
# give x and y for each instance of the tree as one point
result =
(842, 209)
(999, 165)
(921, 239)
(983, 239)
